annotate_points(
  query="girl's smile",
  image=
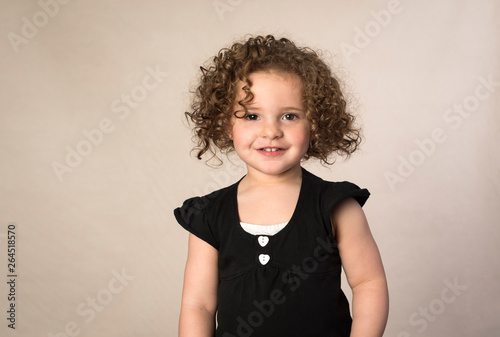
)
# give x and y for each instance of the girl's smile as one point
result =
(273, 136)
(272, 151)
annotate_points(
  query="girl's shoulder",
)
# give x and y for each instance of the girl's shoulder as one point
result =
(332, 192)
(196, 214)
(205, 202)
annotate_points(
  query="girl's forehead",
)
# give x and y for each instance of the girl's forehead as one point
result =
(273, 91)
(291, 79)
(281, 74)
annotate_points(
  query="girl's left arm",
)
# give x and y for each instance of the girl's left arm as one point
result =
(363, 267)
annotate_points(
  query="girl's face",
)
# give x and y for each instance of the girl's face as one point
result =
(274, 136)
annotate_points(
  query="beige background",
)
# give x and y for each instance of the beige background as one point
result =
(111, 212)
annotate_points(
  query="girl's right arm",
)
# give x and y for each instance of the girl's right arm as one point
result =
(199, 294)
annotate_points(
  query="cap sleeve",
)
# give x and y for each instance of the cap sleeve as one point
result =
(339, 191)
(192, 216)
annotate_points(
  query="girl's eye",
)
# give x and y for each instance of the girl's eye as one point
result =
(290, 117)
(251, 117)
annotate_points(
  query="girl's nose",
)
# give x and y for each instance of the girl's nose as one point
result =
(271, 130)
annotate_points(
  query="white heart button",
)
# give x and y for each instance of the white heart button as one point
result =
(263, 240)
(264, 259)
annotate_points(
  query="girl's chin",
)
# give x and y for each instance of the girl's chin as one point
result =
(272, 168)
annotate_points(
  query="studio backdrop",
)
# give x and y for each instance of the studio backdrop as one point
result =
(95, 154)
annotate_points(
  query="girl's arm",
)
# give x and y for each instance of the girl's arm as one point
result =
(199, 294)
(363, 267)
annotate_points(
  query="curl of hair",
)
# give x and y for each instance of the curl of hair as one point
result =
(332, 126)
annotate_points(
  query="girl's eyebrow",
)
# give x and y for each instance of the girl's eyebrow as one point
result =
(288, 108)
(256, 106)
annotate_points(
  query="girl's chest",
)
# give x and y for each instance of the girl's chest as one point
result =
(267, 208)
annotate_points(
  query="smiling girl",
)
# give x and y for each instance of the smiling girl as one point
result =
(265, 254)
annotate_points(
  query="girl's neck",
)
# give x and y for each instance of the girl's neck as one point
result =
(255, 178)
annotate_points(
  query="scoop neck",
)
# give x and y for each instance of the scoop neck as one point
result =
(291, 221)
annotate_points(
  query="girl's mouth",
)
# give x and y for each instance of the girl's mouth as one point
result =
(271, 151)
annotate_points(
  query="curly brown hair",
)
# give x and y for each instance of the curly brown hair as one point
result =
(332, 126)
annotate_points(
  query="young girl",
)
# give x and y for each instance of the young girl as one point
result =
(265, 253)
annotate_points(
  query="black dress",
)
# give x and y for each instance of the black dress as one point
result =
(287, 284)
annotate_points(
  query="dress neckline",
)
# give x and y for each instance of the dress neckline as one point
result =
(291, 221)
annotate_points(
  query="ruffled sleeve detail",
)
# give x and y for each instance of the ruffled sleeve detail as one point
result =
(339, 191)
(193, 217)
